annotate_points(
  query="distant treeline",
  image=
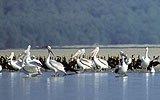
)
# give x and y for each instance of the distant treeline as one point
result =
(78, 22)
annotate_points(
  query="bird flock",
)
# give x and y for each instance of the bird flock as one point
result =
(33, 66)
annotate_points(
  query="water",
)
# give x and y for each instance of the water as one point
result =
(84, 86)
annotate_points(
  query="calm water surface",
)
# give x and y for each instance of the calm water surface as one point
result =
(84, 86)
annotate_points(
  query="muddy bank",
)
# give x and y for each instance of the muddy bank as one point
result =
(111, 50)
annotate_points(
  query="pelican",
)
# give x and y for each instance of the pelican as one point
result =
(122, 68)
(31, 67)
(31, 70)
(83, 62)
(32, 62)
(14, 63)
(98, 61)
(145, 60)
(87, 61)
(24, 53)
(28, 59)
(53, 64)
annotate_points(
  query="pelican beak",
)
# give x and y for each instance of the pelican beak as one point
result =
(93, 52)
(20, 56)
(10, 57)
(52, 53)
(76, 54)
(123, 54)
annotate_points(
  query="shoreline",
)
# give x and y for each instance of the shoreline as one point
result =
(154, 50)
(117, 46)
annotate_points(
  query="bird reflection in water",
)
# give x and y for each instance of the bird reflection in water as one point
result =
(0, 75)
(153, 74)
(125, 84)
(96, 86)
(147, 85)
(54, 84)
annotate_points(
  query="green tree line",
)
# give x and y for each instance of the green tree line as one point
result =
(78, 22)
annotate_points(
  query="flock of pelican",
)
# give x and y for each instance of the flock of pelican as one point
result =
(32, 67)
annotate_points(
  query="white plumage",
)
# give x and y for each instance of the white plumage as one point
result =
(14, 63)
(98, 61)
(122, 68)
(145, 60)
(84, 63)
(53, 64)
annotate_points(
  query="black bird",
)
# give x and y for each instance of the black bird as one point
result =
(68, 66)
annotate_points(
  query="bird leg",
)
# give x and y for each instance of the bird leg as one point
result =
(54, 74)
(146, 70)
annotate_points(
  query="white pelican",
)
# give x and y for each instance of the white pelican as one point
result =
(32, 62)
(122, 69)
(31, 70)
(145, 60)
(85, 59)
(83, 62)
(53, 64)
(14, 63)
(98, 61)
(89, 62)
(28, 59)
(30, 66)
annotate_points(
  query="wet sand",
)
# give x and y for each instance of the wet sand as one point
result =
(112, 50)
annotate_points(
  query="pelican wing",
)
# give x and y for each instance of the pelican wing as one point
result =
(37, 62)
(86, 62)
(57, 65)
(142, 58)
(103, 61)
(16, 65)
(30, 69)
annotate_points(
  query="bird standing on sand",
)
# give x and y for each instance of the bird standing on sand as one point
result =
(145, 60)
(82, 62)
(53, 64)
(101, 63)
(122, 68)
(14, 63)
